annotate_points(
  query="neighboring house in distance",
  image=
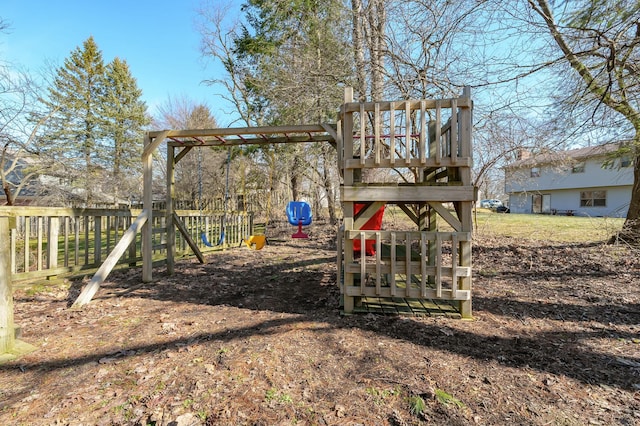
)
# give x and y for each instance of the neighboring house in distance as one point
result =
(14, 170)
(582, 182)
(52, 187)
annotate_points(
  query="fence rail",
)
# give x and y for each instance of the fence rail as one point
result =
(50, 242)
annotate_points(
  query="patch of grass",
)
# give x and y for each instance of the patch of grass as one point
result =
(273, 394)
(270, 394)
(488, 273)
(39, 288)
(125, 409)
(417, 405)
(446, 399)
(379, 395)
(35, 289)
(285, 398)
(571, 229)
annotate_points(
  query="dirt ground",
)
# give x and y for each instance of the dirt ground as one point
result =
(257, 338)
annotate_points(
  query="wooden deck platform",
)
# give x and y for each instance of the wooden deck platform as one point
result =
(407, 307)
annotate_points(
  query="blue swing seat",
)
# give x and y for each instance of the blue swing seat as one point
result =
(299, 214)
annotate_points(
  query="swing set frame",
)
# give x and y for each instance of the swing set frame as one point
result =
(179, 143)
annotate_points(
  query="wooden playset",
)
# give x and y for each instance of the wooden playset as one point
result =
(428, 142)
(431, 260)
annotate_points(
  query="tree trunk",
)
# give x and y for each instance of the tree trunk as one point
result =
(7, 194)
(377, 22)
(358, 49)
(631, 229)
(294, 179)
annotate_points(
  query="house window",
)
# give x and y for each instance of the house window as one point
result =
(535, 172)
(625, 161)
(578, 167)
(593, 198)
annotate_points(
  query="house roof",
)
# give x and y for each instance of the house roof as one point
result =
(566, 156)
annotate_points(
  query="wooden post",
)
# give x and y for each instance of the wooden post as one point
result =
(6, 293)
(10, 347)
(171, 230)
(465, 213)
(97, 239)
(147, 205)
(52, 244)
(147, 202)
(347, 138)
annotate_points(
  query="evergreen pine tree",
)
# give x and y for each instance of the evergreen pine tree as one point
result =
(125, 116)
(76, 127)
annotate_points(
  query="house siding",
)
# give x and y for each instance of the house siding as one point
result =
(568, 200)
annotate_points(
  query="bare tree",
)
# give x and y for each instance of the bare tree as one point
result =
(601, 44)
(200, 174)
(284, 64)
(21, 162)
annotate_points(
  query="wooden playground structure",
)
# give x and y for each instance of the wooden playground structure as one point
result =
(427, 140)
(431, 261)
(430, 137)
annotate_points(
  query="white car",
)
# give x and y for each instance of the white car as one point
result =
(490, 204)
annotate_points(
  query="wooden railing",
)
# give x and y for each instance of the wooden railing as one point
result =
(410, 264)
(48, 242)
(412, 133)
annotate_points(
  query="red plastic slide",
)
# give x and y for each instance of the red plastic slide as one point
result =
(375, 223)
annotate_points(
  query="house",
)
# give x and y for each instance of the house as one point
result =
(51, 185)
(588, 181)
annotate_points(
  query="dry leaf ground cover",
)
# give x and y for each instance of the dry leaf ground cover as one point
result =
(257, 338)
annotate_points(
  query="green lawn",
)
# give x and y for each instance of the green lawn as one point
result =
(546, 227)
(530, 226)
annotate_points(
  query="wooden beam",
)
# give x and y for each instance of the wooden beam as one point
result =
(147, 203)
(446, 215)
(413, 104)
(181, 154)
(407, 194)
(413, 162)
(413, 293)
(13, 212)
(266, 140)
(413, 235)
(346, 152)
(185, 233)
(52, 242)
(331, 129)
(105, 269)
(410, 214)
(154, 142)
(10, 347)
(231, 131)
(171, 231)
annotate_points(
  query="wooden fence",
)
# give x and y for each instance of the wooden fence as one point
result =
(50, 242)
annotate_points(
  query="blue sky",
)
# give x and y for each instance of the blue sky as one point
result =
(158, 39)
